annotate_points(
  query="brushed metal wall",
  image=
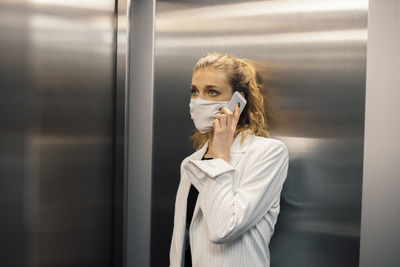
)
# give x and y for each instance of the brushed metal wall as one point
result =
(380, 233)
(316, 57)
(59, 88)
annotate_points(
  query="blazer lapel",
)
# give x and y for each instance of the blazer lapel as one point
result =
(235, 154)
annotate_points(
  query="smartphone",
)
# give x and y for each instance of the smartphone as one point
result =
(236, 98)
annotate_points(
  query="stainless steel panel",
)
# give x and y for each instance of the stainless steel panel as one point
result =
(314, 58)
(121, 35)
(58, 95)
(140, 129)
(380, 234)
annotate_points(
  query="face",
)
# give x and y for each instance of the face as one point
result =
(209, 84)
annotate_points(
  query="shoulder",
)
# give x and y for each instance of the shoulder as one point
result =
(263, 145)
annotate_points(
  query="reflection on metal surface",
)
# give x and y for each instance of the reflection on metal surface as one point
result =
(257, 15)
(104, 5)
(315, 57)
(307, 38)
(58, 69)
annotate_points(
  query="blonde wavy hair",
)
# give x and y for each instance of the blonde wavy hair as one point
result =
(242, 75)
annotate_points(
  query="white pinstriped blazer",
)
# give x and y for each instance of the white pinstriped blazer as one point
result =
(237, 206)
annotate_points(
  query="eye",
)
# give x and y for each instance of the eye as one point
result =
(212, 92)
(193, 91)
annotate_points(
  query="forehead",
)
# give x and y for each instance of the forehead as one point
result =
(205, 76)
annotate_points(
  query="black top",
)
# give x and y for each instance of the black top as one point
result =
(191, 203)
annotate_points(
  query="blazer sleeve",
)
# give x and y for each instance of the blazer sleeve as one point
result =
(229, 213)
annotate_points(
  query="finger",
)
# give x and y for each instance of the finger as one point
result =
(226, 111)
(231, 116)
(236, 114)
(218, 117)
(233, 120)
(216, 125)
(222, 119)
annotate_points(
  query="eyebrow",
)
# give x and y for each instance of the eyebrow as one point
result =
(207, 86)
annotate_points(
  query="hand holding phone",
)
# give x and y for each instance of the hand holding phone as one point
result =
(236, 98)
(222, 141)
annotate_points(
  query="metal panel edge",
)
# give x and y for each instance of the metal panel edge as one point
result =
(380, 212)
(140, 132)
(121, 35)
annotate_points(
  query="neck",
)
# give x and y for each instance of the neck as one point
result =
(210, 138)
(211, 134)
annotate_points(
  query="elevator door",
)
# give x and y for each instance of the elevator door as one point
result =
(57, 65)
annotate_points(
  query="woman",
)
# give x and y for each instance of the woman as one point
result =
(234, 179)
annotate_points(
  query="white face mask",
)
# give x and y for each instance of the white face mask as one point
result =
(203, 112)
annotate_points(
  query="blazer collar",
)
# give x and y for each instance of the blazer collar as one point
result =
(235, 153)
